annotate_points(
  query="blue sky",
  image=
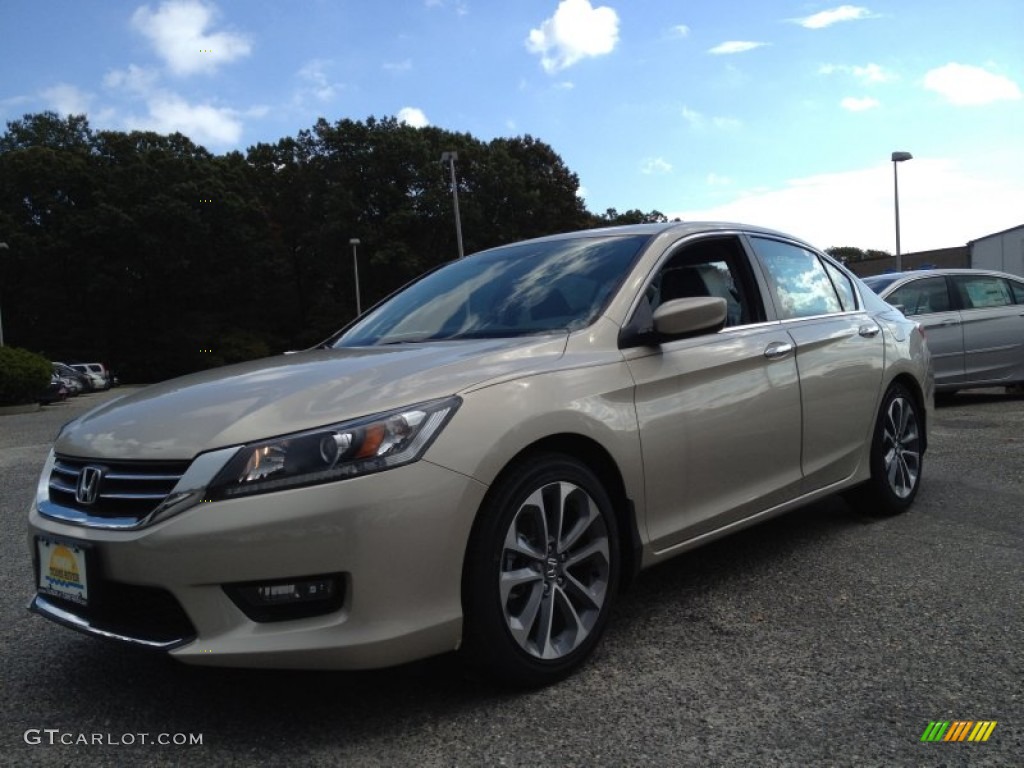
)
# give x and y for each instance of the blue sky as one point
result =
(775, 112)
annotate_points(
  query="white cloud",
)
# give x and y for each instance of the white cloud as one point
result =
(398, 66)
(941, 204)
(693, 117)
(565, 85)
(656, 166)
(67, 99)
(872, 73)
(460, 6)
(735, 46)
(868, 74)
(413, 116)
(699, 121)
(716, 180)
(576, 31)
(178, 32)
(169, 112)
(834, 16)
(317, 83)
(853, 104)
(135, 79)
(681, 30)
(964, 85)
(726, 123)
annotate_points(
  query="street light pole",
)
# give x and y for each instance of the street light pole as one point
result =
(3, 247)
(354, 242)
(450, 158)
(898, 157)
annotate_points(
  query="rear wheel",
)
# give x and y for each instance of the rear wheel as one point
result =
(541, 572)
(897, 454)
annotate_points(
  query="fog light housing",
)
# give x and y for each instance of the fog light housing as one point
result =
(289, 599)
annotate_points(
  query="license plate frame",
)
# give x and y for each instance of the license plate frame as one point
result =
(65, 569)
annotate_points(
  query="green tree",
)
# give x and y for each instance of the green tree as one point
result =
(145, 250)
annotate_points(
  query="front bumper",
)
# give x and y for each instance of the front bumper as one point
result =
(397, 537)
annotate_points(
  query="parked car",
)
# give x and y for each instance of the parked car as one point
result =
(83, 380)
(974, 321)
(72, 379)
(481, 460)
(96, 374)
(55, 390)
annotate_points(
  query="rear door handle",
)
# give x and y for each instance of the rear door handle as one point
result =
(778, 350)
(868, 331)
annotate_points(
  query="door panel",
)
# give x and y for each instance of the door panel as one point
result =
(927, 300)
(945, 334)
(993, 328)
(719, 429)
(840, 360)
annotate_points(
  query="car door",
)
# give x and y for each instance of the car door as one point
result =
(993, 328)
(840, 357)
(719, 413)
(927, 300)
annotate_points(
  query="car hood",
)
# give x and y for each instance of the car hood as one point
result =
(252, 401)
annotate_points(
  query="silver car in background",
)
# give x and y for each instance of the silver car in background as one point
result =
(973, 320)
(481, 460)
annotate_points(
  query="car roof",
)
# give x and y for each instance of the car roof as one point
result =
(680, 228)
(902, 278)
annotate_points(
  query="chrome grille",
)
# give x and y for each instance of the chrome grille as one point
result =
(127, 489)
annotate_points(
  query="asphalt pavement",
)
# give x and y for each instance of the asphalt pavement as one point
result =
(822, 638)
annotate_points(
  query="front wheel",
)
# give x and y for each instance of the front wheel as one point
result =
(897, 455)
(541, 572)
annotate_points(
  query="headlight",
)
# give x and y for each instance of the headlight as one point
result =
(335, 452)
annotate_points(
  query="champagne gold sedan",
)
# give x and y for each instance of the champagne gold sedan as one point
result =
(483, 459)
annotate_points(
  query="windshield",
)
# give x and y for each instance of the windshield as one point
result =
(522, 289)
(879, 283)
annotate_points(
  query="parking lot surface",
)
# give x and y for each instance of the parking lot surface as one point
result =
(822, 638)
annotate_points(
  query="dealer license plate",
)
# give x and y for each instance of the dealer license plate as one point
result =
(63, 570)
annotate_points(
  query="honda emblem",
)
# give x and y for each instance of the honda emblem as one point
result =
(88, 488)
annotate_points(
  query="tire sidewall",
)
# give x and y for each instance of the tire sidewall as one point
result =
(885, 499)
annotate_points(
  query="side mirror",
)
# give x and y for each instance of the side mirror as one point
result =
(685, 317)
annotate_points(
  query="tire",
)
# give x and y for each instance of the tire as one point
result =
(897, 455)
(540, 574)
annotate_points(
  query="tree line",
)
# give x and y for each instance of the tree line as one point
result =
(156, 256)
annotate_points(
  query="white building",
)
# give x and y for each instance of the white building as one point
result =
(1002, 251)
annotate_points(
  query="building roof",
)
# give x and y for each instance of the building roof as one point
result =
(995, 234)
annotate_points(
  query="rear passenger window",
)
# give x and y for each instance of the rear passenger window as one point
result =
(982, 291)
(843, 286)
(1017, 288)
(922, 297)
(798, 281)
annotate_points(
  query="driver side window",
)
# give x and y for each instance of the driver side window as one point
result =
(711, 267)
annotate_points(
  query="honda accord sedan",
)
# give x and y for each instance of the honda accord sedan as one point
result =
(484, 459)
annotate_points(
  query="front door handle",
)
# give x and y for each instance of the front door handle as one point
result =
(868, 331)
(778, 350)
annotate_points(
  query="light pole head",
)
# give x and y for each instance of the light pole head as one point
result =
(899, 157)
(354, 241)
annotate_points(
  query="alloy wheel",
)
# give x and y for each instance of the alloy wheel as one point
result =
(555, 570)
